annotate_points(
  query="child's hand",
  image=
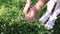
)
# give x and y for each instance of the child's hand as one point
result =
(31, 15)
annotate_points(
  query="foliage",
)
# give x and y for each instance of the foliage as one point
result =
(12, 19)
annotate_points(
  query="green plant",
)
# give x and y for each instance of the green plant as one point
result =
(12, 19)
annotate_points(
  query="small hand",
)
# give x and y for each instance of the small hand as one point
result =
(31, 15)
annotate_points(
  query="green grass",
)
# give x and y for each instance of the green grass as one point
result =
(12, 19)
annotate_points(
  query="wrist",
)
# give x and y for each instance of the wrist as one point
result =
(40, 4)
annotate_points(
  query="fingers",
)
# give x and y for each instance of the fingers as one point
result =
(30, 16)
(27, 6)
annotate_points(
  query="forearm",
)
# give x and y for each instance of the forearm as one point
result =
(40, 4)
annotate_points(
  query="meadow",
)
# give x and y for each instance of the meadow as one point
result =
(12, 19)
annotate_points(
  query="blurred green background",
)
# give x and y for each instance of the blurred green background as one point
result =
(12, 19)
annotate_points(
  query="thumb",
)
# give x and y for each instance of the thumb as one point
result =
(26, 11)
(27, 7)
